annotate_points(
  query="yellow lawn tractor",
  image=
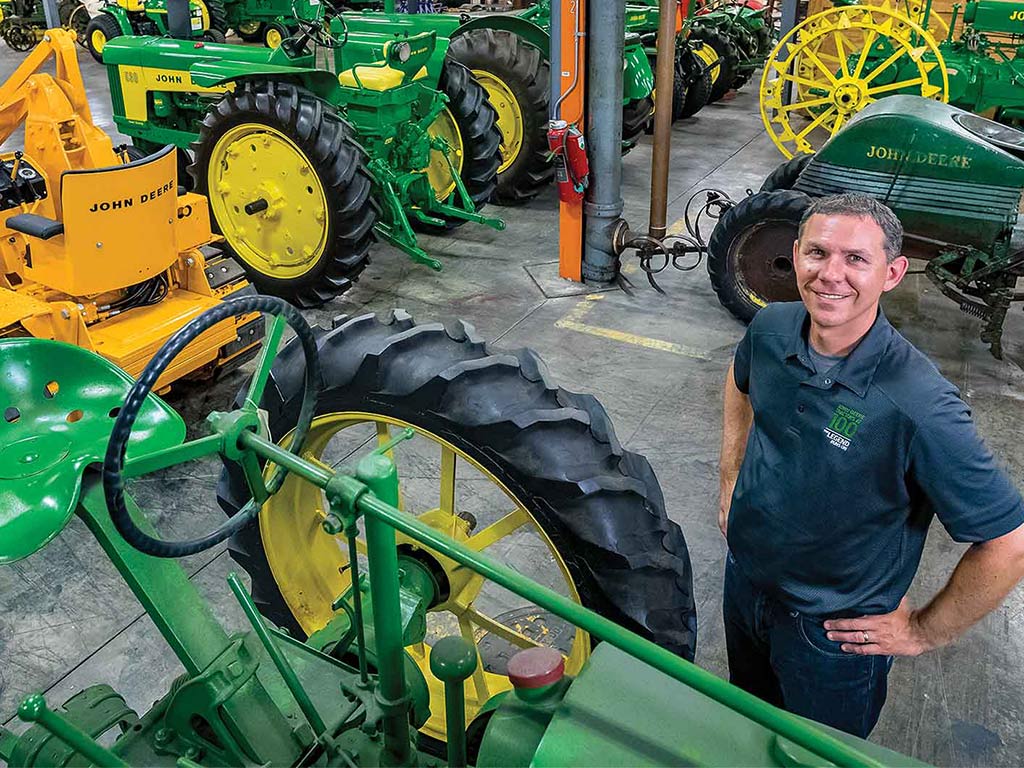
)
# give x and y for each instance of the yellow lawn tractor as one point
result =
(100, 247)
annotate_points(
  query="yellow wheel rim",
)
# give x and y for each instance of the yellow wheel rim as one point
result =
(833, 78)
(249, 28)
(98, 40)
(253, 162)
(510, 116)
(273, 38)
(707, 54)
(440, 484)
(438, 173)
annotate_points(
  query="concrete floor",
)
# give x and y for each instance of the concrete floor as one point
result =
(66, 620)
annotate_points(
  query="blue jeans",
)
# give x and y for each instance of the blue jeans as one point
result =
(785, 658)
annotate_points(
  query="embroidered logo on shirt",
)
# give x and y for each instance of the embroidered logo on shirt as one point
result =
(843, 426)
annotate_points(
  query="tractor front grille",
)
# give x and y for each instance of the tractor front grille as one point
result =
(962, 211)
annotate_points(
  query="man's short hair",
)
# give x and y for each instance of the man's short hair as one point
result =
(863, 206)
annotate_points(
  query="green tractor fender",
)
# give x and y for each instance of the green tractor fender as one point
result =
(637, 78)
(120, 15)
(211, 74)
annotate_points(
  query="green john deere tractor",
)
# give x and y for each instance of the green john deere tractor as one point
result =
(304, 165)
(954, 179)
(742, 35)
(695, 69)
(261, 21)
(391, 625)
(508, 55)
(23, 23)
(149, 17)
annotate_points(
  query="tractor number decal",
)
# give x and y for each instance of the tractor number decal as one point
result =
(137, 82)
(128, 202)
(918, 158)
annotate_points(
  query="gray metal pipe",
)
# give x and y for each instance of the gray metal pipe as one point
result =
(606, 34)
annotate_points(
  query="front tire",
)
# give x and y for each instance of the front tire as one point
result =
(311, 240)
(750, 252)
(506, 66)
(553, 453)
(100, 30)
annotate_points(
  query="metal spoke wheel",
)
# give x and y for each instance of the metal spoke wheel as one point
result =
(837, 62)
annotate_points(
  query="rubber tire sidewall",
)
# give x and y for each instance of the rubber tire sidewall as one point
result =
(726, 51)
(106, 24)
(481, 140)
(699, 90)
(786, 174)
(759, 208)
(556, 451)
(525, 71)
(318, 131)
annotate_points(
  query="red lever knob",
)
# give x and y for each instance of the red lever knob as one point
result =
(536, 667)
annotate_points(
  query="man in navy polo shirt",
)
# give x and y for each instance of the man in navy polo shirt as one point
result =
(840, 442)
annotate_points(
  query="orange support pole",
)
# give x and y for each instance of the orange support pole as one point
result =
(572, 78)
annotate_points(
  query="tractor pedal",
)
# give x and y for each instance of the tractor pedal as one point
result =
(222, 270)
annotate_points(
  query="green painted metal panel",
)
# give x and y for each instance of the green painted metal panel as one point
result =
(637, 77)
(996, 16)
(620, 711)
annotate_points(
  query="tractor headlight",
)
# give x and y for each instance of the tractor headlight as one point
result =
(400, 52)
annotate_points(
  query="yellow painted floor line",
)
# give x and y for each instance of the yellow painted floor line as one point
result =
(574, 322)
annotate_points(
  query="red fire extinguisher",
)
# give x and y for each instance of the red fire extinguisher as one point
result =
(570, 155)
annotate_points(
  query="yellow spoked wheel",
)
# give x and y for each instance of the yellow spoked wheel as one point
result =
(500, 459)
(831, 76)
(510, 116)
(449, 490)
(268, 200)
(438, 172)
(707, 54)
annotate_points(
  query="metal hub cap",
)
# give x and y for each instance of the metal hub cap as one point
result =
(268, 201)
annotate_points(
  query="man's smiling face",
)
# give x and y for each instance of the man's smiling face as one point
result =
(842, 270)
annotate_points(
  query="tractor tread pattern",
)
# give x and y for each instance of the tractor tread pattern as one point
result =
(555, 450)
(726, 51)
(105, 23)
(785, 176)
(341, 163)
(756, 209)
(699, 89)
(525, 70)
(481, 140)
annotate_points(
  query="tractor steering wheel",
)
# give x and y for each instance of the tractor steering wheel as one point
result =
(318, 29)
(113, 463)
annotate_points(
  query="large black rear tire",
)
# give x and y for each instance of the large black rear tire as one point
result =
(339, 163)
(555, 451)
(750, 252)
(693, 71)
(727, 53)
(524, 71)
(218, 18)
(477, 122)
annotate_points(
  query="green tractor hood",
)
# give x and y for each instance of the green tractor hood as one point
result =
(949, 175)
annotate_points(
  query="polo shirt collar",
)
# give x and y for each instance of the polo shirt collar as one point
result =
(858, 369)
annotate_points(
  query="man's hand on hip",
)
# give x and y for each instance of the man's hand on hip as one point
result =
(888, 634)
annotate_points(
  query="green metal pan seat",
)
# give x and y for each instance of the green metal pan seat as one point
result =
(58, 403)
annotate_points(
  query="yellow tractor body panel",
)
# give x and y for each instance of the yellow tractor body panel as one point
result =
(138, 82)
(118, 228)
(114, 259)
